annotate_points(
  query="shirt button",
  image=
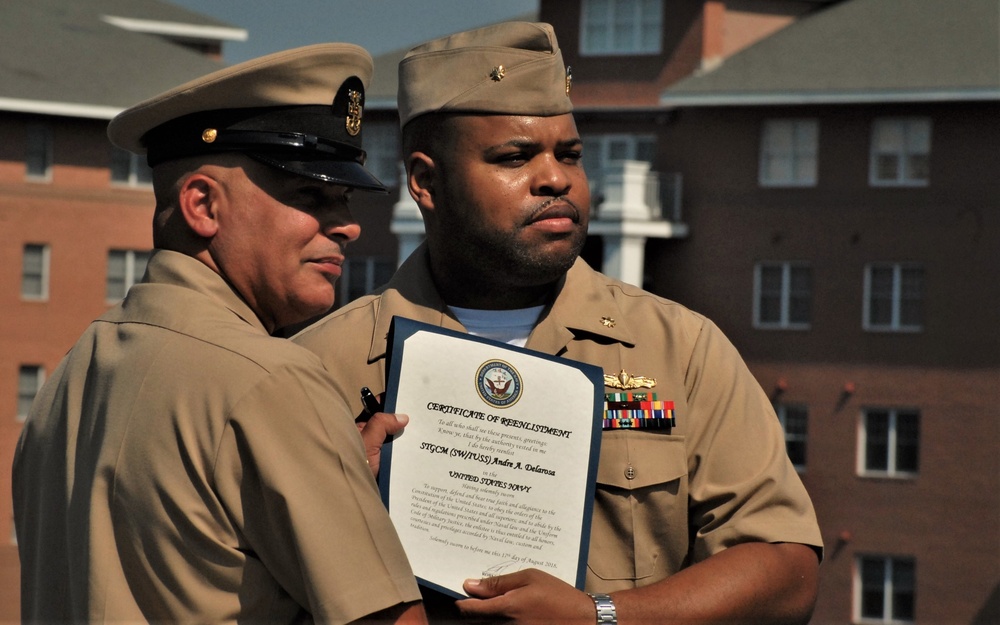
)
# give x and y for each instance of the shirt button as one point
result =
(630, 472)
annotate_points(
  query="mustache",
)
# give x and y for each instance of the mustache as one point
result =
(541, 208)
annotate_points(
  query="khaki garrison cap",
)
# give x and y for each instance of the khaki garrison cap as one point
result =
(514, 68)
(298, 110)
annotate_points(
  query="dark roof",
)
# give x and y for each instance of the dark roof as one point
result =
(862, 51)
(92, 58)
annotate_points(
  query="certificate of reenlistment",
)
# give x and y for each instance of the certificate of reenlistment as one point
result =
(495, 471)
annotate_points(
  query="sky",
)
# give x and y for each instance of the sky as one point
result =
(380, 26)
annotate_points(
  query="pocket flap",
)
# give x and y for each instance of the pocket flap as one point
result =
(637, 459)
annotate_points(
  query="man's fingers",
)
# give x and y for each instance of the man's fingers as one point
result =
(374, 432)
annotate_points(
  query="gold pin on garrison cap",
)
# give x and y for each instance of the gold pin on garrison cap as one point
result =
(498, 73)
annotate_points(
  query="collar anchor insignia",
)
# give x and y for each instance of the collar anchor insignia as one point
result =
(626, 381)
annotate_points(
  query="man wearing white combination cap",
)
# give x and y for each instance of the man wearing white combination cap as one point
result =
(182, 464)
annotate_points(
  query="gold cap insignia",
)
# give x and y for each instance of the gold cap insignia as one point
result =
(626, 381)
(569, 79)
(498, 73)
(209, 134)
(354, 110)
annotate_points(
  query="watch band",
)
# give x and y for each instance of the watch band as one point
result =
(606, 613)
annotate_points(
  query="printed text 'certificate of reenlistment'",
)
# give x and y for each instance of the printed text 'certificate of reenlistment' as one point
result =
(495, 471)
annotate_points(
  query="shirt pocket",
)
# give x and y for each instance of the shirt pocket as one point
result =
(640, 525)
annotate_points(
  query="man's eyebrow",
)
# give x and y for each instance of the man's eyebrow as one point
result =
(531, 144)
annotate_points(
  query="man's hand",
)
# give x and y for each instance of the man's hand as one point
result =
(524, 597)
(374, 432)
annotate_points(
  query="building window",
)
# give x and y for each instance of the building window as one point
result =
(35, 272)
(885, 590)
(794, 421)
(125, 268)
(783, 296)
(890, 442)
(600, 152)
(894, 298)
(788, 153)
(38, 157)
(900, 152)
(382, 147)
(612, 27)
(363, 275)
(130, 169)
(29, 380)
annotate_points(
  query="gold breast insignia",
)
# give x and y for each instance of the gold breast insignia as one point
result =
(626, 381)
(354, 112)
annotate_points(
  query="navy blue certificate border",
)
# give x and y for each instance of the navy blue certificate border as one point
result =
(402, 329)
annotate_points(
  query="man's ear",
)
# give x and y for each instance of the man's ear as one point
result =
(420, 179)
(198, 199)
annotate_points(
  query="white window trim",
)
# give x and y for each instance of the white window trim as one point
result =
(887, 589)
(762, 180)
(46, 132)
(46, 255)
(131, 278)
(781, 410)
(344, 283)
(39, 382)
(604, 162)
(895, 325)
(786, 294)
(133, 173)
(861, 456)
(636, 51)
(901, 181)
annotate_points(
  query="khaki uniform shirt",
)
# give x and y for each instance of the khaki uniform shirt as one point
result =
(664, 499)
(182, 465)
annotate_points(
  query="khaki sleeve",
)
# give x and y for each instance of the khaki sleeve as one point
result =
(743, 487)
(291, 469)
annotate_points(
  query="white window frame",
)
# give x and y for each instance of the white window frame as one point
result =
(23, 390)
(369, 265)
(134, 267)
(382, 146)
(631, 145)
(785, 322)
(896, 323)
(889, 588)
(38, 144)
(892, 469)
(642, 18)
(42, 277)
(794, 142)
(139, 173)
(905, 139)
(782, 411)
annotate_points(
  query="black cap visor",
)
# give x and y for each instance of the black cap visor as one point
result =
(348, 173)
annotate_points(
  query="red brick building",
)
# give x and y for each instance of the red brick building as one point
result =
(75, 214)
(840, 191)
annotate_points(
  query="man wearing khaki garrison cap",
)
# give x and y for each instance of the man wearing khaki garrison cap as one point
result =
(698, 518)
(182, 464)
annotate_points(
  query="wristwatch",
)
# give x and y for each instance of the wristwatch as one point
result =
(606, 613)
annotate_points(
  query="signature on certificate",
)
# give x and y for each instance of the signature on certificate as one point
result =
(501, 568)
